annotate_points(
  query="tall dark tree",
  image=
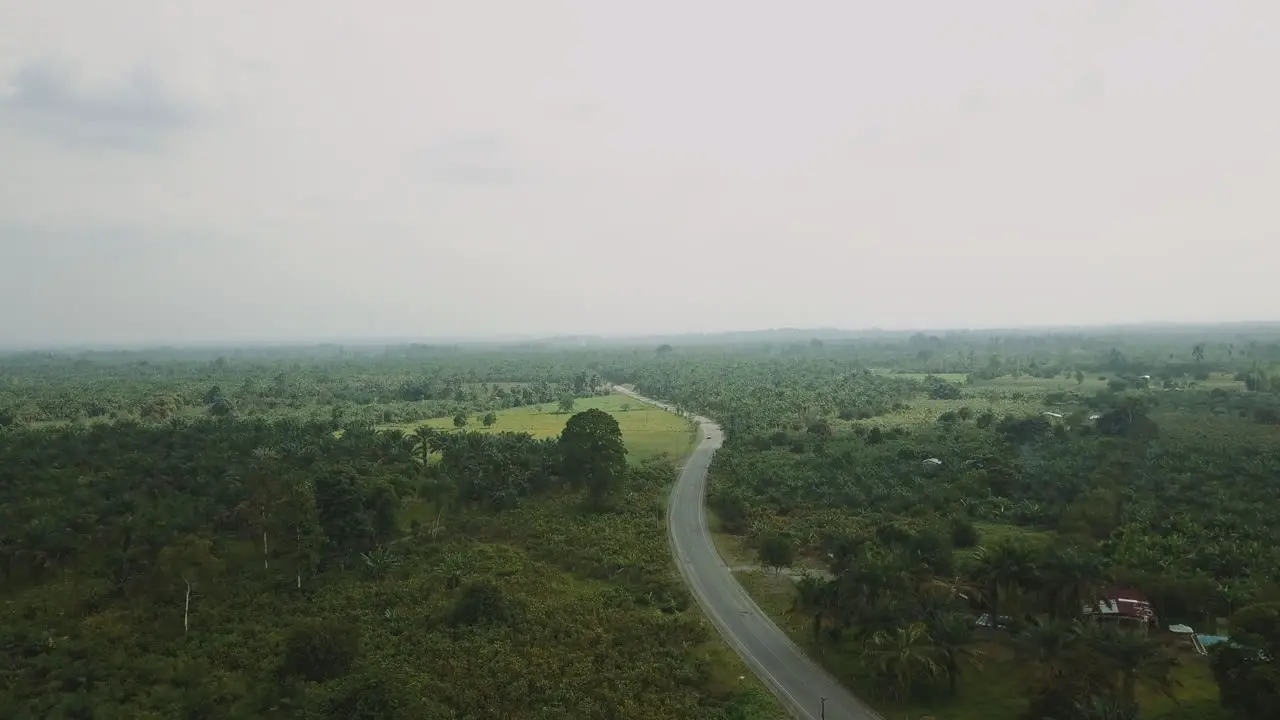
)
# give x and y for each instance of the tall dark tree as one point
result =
(213, 395)
(1071, 578)
(593, 454)
(952, 634)
(1132, 655)
(815, 598)
(191, 561)
(1002, 567)
(263, 492)
(221, 407)
(381, 503)
(300, 520)
(777, 552)
(342, 513)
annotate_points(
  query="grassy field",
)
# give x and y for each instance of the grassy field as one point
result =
(992, 532)
(957, 378)
(1090, 383)
(646, 430)
(1025, 395)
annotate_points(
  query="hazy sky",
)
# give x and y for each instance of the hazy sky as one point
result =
(234, 170)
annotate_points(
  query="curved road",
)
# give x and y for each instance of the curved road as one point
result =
(798, 681)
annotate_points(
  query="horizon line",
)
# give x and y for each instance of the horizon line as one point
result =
(531, 338)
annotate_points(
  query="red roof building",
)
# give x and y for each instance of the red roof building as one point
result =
(1123, 604)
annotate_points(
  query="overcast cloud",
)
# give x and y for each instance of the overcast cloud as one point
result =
(183, 171)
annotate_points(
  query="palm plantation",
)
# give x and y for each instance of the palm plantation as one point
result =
(167, 518)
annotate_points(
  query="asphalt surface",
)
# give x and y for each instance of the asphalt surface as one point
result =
(798, 682)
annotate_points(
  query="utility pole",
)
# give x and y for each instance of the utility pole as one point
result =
(824, 709)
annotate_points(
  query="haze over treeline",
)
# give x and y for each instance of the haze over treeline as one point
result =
(1236, 332)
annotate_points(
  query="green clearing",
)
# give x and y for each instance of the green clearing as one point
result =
(991, 533)
(647, 431)
(957, 378)
(1026, 395)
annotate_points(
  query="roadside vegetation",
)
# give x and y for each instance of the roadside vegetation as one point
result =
(310, 535)
(915, 484)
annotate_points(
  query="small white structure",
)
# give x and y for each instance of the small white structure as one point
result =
(932, 462)
(984, 620)
(1187, 637)
(1127, 605)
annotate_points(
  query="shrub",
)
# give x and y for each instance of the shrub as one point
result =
(320, 650)
(482, 603)
(964, 534)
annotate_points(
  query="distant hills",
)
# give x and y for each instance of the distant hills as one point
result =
(783, 336)
(802, 335)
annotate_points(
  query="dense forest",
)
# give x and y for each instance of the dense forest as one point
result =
(925, 481)
(324, 533)
(270, 546)
(397, 385)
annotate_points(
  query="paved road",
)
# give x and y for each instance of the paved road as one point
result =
(790, 674)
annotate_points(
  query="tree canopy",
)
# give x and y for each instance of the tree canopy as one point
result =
(593, 454)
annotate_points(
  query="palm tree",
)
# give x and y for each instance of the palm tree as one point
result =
(391, 444)
(1049, 648)
(1070, 579)
(1133, 655)
(302, 516)
(903, 658)
(426, 444)
(815, 597)
(263, 494)
(380, 561)
(953, 636)
(1001, 567)
(872, 575)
